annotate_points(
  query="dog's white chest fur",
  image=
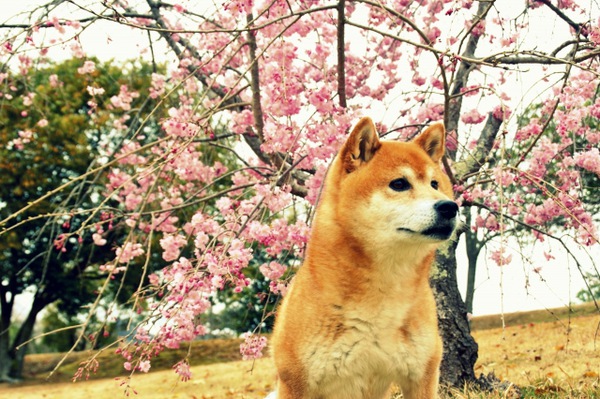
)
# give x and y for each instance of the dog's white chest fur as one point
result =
(370, 352)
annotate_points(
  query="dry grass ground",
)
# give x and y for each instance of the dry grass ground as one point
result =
(559, 358)
(232, 380)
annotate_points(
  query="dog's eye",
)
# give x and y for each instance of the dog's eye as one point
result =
(400, 184)
(434, 184)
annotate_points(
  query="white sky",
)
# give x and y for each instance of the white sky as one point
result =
(512, 288)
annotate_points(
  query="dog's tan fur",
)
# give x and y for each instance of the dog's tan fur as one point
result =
(360, 314)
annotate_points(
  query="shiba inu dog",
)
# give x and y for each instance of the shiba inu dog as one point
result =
(360, 315)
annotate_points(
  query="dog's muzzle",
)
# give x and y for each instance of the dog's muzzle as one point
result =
(445, 220)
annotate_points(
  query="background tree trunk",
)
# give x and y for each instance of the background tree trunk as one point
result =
(16, 354)
(5, 360)
(6, 307)
(460, 349)
(473, 248)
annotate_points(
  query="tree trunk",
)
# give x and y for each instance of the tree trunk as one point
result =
(6, 307)
(471, 273)
(460, 349)
(5, 360)
(24, 335)
(473, 248)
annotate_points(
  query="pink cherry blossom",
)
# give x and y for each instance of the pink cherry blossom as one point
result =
(98, 240)
(144, 366)
(124, 99)
(128, 252)
(589, 160)
(273, 270)
(183, 369)
(171, 245)
(87, 68)
(252, 346)
(501, 257)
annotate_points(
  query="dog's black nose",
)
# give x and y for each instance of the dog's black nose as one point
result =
(446, 209)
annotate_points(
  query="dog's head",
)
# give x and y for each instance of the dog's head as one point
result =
(392, 192)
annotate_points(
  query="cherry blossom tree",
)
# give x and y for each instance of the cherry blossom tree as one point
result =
(275, 86)
(54, 120)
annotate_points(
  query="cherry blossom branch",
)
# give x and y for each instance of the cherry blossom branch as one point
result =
(402, 17)
(400, 39)
(548, 120)
(544, 233)
(453, 99)
(92, 310)
(542, 185)
(540, 58)
(473, 161)
(196, 202)
(63, 186)
(121, 18)
(576, 26)
(45, 334)
(257, 111)
(253, 139)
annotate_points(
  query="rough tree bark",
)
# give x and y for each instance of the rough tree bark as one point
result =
(460, 349)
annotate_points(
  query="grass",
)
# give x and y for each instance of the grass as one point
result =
(547, 354)
(553, 359)
(534, 316)
(39, 366)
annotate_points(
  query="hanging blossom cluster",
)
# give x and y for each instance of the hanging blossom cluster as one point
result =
(550, 176)
(218, 179)
(557, 163)
(221, 236)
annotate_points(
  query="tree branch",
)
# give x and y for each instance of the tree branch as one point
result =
(542, 232)
(536, 57)
(453, 99)
(341, 54)
(472, 162)
(576, 26)
(255, 138)
(257, 111)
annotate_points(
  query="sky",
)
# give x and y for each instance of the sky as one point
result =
(515, 287)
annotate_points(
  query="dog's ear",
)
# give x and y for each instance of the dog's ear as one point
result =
(361, 145)
(433, 141)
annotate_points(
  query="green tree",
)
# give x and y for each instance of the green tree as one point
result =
(54, 122)
(63, 328)
(593, 291)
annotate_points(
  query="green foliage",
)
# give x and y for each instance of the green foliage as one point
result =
(61, 331)
(65, 136)
(593, 294)
(249, 310)
(53, 129)
(253, 308)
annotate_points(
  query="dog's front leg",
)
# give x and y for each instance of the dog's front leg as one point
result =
(291, 386)
(425, 387)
